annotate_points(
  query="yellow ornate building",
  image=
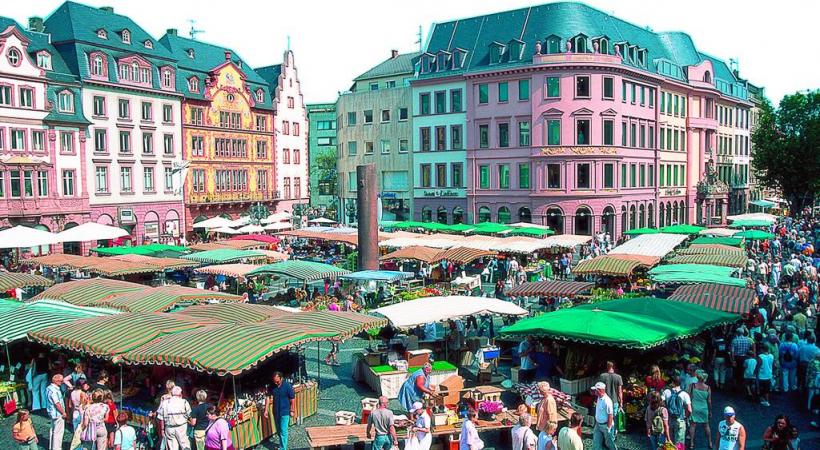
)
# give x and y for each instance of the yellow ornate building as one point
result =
(227, 131)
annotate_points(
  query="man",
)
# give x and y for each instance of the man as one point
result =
(283, 400)
(788, 363)
(569, 438)
(547, 409)
(740, 346)
(731, 433)
(175, 413)
(679, 406)
(522, 436)
(381, 420)
(604, 419)
(56, 412)
(199, 419)
(546, 365)
(169, 385)
(806, 354)
(614, 388)
(525, 350)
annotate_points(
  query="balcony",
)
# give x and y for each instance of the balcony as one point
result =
(583, 58)
(232, 197)
(704, 123)
(36, 207)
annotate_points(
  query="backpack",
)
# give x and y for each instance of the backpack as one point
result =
(657, 422)
(675, 404)
(787, 354)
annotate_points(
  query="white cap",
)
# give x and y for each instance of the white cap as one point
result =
(599, 386)
(416, 406)
(728, 411)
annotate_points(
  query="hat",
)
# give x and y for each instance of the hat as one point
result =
(598, 386)
(728, 411)
(416, 406)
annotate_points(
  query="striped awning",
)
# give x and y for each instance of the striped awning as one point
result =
(92, 292)
(418, 253)
(14, 280)
(229, 270)
(301, 270)
(389, 276)
(349, 238)
(715, 260)
(615, 265)
(42, 314)
(112, 265)
(161, 263)
(63, 260)
(463, 255)
(223, 255)
(340, 324)
(229, 244)
(241, 313)
(164, 298)
(113, 335)
(716, 296)
(711, 249)
(551, 288)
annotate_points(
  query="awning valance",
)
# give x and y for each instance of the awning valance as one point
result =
(716, 260)
(711, 249)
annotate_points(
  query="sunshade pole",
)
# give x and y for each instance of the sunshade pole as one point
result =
(235, 398)
(318, 365)
(121, 395)
(8, 356)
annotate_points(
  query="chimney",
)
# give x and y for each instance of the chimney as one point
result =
(227, 55)
(36, 24)
(109, 9)
(171, 31)
(394, 54)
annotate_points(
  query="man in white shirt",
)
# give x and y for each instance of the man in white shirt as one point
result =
(175, 413)
(523, 438)
(679, 406)
(602, 436)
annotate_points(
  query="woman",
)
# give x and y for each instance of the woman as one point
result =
(781, 435)
(701, 395)
(419, 437)
(94, 421)
(218, 433)
(23, 431)
(657, 421)
(655, 381)
(332, 358)
(813, 379)
(469, 434)
(71, 379)
(79, 399)
(111, 417)
(546, 438)
(416, 386)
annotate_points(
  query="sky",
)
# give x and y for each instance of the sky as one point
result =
(334, 41)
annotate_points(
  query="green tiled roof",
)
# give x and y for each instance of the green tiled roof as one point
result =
(564, 20)
(402, 64)
(271, 76)
(77, 117)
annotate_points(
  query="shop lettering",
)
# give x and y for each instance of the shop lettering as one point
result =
(441, 193)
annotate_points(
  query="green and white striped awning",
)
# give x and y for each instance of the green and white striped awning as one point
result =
(615, 265)
(716, 260)
(91, 292)
(241, 313)
(14, 280)
(43, 314)
(301, 270)
(223, 256)
(164, 298)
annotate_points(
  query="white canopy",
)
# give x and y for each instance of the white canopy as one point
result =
(528, 225)
(658, 245)
(226, 230)
(723, 232)
(21, 236)
(321, 220)
(753, 216)
(278, 226)
(252, 228)
(277, 217)
(91, 231)
(566, 240)
(240, 222)
(436, 309)
(213, 222)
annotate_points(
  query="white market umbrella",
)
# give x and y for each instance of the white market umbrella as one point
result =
(242, 221)
(20, 236)
(213, 222)
(251, 229)
(91, 231)
(723, 232)
(438, 309)
(528, 225)
(226, 230)
(321, 220)
(278, 226)
(277, 217)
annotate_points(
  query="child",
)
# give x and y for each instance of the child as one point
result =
(750, 375)
(23, 431)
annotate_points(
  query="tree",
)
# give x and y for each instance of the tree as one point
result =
(326, 168)
(787, 148)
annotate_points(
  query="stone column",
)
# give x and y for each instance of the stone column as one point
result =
(367, 215)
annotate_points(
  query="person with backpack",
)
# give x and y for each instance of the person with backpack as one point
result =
(125, 437)
(657, 421)
(788, 363)
(218, 433)
(679, 405)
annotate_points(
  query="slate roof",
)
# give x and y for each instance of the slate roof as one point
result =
(271, 76)
(404, 63)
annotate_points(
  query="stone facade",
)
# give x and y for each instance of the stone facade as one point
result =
(322, 141)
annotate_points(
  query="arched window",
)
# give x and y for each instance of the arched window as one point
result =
(553, 44)
(675, 213)
(608, 221)
(441, 215)
(193, 84)
(260, 95)
(555, 219)
(524, 215)
(707, 77)
(661, 222)
(484, 214)
(166, 78)
(633, 218)
(97, 65)
(651, 216)
(682, 215)
(504, 215)
(641, 216)
(426, 214)
(458, 215)
(583, 221)
(624, 222)
(603, 45)
(579, 44)
(148, 44)
(102, 34)
(14, 57)
(126, 37)
(668, 213)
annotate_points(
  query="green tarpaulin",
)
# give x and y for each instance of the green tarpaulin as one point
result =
(301, 270)
(490, 228)
(682, 229)
(640, 231)
(693, 268)
(762, 203)
(733, 241)
(223, 256)
(161, 250)
(638, 323)
(529, 231)
(755, 235)
(750, 224)
(43, 314)
(438, 366)
(695, 278)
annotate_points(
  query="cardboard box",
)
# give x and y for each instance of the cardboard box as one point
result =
(417, 358)
(369, 404)
(450, 389)
(439, 419)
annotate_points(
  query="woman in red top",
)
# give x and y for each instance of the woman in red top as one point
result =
(111, 417)
(654, 382)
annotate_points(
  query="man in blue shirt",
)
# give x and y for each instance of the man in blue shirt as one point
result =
(282, 400)
(56, 412)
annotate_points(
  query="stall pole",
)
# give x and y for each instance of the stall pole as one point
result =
(8, 357)
(446, 347)
(235, 399)
(318, 366)
(121, 395)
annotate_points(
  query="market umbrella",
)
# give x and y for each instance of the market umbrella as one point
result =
(252, 228)
(755, 235)
(91, 231)
(301, 270)
(639, 231)
(278, 226)
(277, 217)
(213, 222)
(750, 223)
(763, 203)
(226, 230)
(682, 229)
(436, 309)
(321, 220)
(21, 236)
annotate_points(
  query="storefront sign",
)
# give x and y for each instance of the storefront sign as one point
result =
(152, 229)
(388, 195)
(441, 193)
(672, 192)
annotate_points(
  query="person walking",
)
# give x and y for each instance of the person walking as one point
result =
(282, 399)
(380, 421)
(604, 420)
(55, 408)
(522, 436)
(217, 432)
(547, 408)
(701, 395)
(469, 439)
(569, 438)
(23, 431)
(614, 389)
(788, 363)
(419, 436)
(679, 405)
(94, 421)
(731, 433)
(125, 437)
(781, 435)
(657, 421)
(199, 418)
(175, 413)
(765, 374)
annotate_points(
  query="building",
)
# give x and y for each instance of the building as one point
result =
(577, 120)
(227, 131)
(129, 92)
(374, 127)
(757, 95)
(42, 134)
(322, 152)
(291, 142)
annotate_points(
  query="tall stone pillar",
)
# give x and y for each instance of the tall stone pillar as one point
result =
(367, 216)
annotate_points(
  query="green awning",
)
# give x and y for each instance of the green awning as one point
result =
(14, 280)
(490, 228)
(461, 227)
(682, 229)
(529, 231)
(639, 323)
(164, 298)
(750, 223)
(639, 231)
(697, 278)
(301, 270)
(91, 292)
(693, 268)
(223, 256)
(733, 241)
(407, 224)
(160, 250)
(42, 314)
(754, 235)
(763, 203)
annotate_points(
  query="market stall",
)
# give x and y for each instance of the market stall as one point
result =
(158, 250)
(551, 289)
(711, 249)
(165, 298)
(91, 292)
(11, 281)
(415, 252)
(225, 255)
(658, 245)
(728, 260)
(695, 273)
(722, 240)
(242, 244)
(236, 270)
(304, 271)
(614, 265)
(731, 299)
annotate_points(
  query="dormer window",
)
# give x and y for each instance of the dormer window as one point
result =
(14, 56)
(167, 78)
(633, 50)
(496, 52)
(642, 57)
(193, 84)
(441, 61)
(622, 49)
(553, 44)
(459, 55)
(65, 102)
(126, 37)
(102, 34)
(97, 65)
(516, 49)
(579, 43)
(191, 53)
(426, 63)
(148, 44)
(603, 45)
(260, 95)
(707, 77)
(44, 60)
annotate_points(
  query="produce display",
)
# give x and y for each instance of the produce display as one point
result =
(419, 293)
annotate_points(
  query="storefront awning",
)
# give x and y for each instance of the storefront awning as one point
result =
(551, 288)
(721, 240)
(158, 250)
(731, 299)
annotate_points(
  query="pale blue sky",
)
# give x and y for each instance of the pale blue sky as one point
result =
(334, 41)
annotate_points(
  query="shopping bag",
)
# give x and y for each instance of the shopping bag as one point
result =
(9, 406)
(620, 421)
(89, 432)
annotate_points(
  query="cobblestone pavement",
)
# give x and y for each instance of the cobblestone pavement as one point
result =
(340, 392)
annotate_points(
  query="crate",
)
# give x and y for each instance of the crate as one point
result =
(417, 358)
(345, 418)
(369, 404)
(575, 387)
(491, 353)
(374, 359)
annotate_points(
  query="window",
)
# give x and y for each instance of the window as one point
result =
(100, 141)
(634, 89)
(582, 87)
(403, 146)
(609, 176)
(483, 136)
(441, 102)
(42, 183)
(554, 132)
(148, 179)
(633, 135)
(643, 136)
(523, 176)
(126, 37)
(351, 118)
(663, 103)
(623, 91)
(147, 143)
(262, 149)
(97, 65)
(582, 176)
(608, 88)
(385, 146)
(123, 109)
(441, 175)
(26, 98)
(661, 179)
(68, 183)
(167, 113)
(456, 141)
(642, 175)
(14, 57)
(677, 105)
(168, 144)
(651, 136)
(553, 87)
(125, 142)
(632, 175)
(426, 176)
(66, 142)
(352, 148)
(385, 115)
(483, 177)
(168, 173)
(15, 181)
(296, 128)
(425, 139)
(18, 139)
(98, 106)
(167, 78)
(623, 175)
(290, 102)
(553, 176)
(101, 179)
(5, 95)
(197, 116)
(38, 140)
(457, 175)
(651, 100)
(503, 176)
(651, 172)
(65, 101)
(523, 134)
(524, 89)
(675, 176)
(623, 134)
(643, 95)
(483, 94)
(126, 184)
(28, 183)
(44, 60)
(402, 114)
(368, 116)
(147, 111)
(582, 132)
(503, 134)
(609, 132)
(503, 92)
(198, 146)
(424, 104)
(441, 138)
(368, 148)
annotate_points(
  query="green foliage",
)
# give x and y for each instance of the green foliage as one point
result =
(325, 167)
(351, 262)
(787, 148)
